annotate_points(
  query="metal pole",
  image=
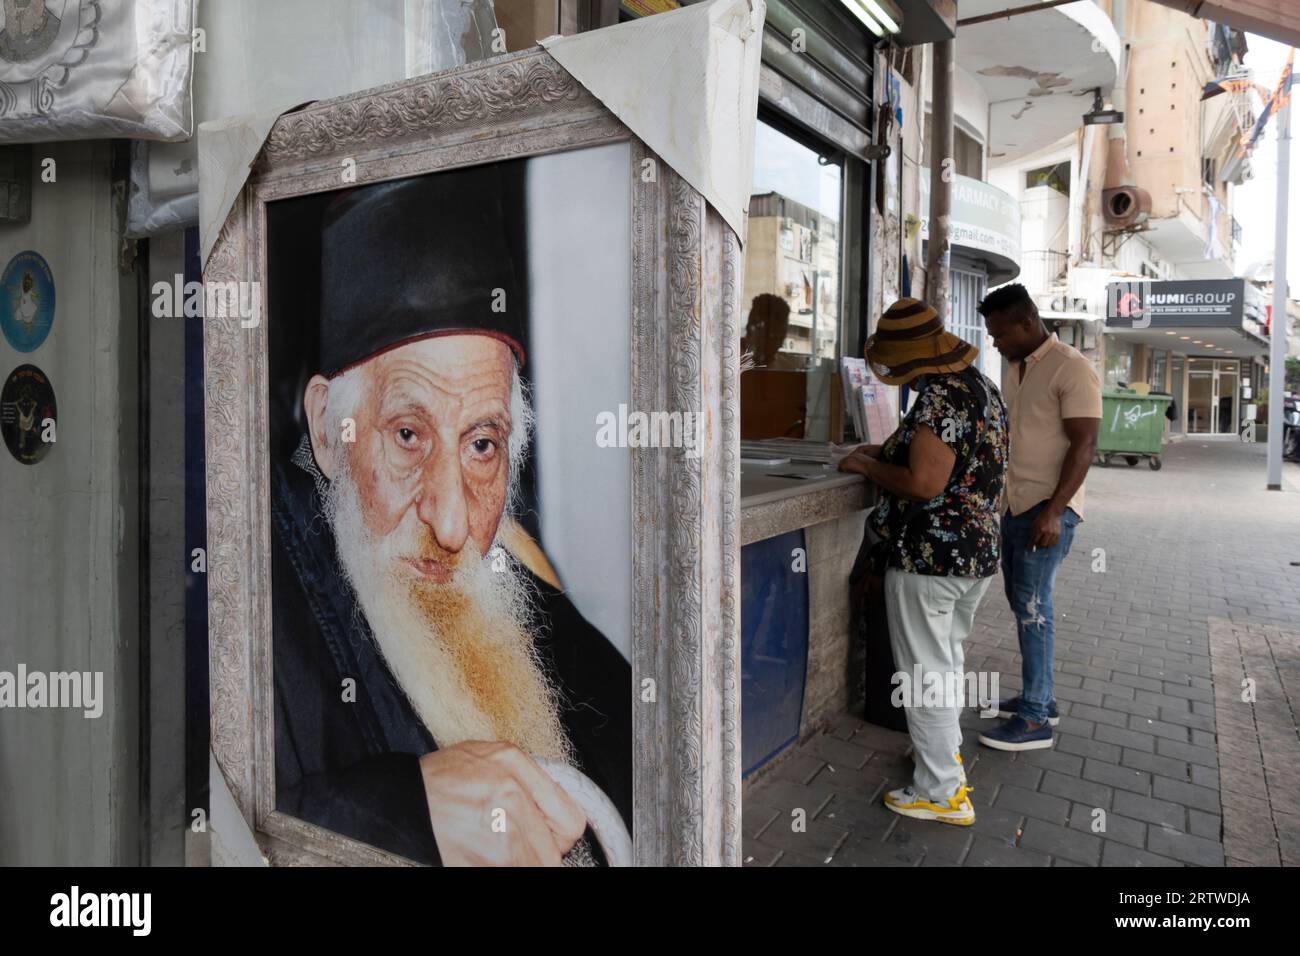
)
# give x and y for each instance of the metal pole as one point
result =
(942, 170)
(1277, 326)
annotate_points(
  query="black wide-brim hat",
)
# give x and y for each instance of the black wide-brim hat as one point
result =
(438, 254)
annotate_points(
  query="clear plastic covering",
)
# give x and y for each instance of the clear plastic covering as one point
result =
(91, 69)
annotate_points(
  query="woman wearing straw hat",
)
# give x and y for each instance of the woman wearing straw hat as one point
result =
(940, 476)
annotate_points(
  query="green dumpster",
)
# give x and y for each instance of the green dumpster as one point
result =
(1132, 426)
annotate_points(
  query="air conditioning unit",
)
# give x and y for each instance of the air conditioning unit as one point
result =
(1125, 206)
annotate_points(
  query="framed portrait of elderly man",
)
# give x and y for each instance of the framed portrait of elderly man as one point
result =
(472, 485)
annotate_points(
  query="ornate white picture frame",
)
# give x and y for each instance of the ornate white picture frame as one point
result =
(685, 268)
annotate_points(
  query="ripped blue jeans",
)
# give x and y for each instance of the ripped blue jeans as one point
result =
(1029, 575)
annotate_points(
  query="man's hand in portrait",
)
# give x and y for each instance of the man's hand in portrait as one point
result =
(492, 805)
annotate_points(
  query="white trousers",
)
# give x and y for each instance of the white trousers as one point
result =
(929, 617)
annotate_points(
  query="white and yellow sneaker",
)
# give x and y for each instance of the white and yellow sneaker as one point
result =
(957, 810)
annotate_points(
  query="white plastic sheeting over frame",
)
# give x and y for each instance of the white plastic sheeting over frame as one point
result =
(263, 58)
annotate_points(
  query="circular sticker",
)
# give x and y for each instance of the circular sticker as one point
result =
(27, 414)
(26, 301)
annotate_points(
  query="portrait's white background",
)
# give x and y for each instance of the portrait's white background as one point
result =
(579, 276)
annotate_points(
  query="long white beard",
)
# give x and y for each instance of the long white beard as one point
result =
(462, 651)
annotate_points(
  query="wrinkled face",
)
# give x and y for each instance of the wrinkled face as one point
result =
(1013, 335)
(431, 450)
(414, 501)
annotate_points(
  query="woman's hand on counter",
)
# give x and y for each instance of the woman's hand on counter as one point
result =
(840, 452)
(861, 459)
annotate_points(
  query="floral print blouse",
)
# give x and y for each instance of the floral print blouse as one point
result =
(957, 532)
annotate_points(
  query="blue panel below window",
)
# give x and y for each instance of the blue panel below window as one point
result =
(774, 646)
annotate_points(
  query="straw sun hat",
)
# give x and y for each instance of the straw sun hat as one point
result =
(910, 340)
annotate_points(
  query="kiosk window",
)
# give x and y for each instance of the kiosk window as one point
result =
(791, 308)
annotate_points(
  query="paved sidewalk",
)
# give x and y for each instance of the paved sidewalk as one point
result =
(1158, 759)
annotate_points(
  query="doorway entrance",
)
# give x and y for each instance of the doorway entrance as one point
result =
(1212, 387)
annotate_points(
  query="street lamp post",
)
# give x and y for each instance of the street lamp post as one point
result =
(1277, 325)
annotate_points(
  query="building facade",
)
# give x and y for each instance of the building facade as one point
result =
(1144, 209)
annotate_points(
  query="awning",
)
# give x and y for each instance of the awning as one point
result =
(1275, 19)
(984, 221)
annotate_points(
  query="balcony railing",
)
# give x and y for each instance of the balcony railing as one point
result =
(1043, 270)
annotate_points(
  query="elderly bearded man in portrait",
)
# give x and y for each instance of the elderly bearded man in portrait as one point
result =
(397, 562)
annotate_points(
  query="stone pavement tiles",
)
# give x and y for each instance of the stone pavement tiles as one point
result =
(1257, 696)
(1179, 588)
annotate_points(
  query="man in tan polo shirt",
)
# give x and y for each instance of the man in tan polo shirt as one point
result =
(1053, 397)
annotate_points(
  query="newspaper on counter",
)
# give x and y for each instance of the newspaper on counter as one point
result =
(869, 403)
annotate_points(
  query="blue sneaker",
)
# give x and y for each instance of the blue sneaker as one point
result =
(1011, 706)
(1018, 734)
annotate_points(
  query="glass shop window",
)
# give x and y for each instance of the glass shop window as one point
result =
(1158, 372)
(1119, 363)
(791, 308)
